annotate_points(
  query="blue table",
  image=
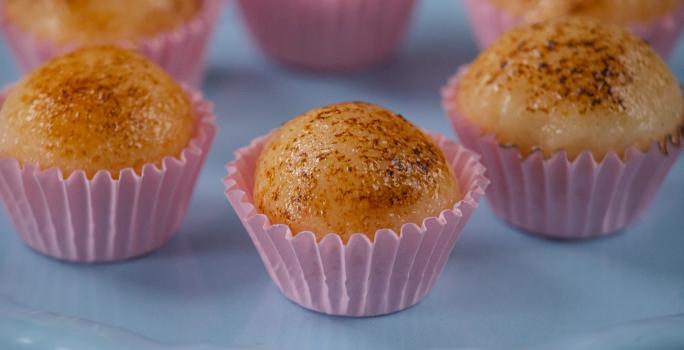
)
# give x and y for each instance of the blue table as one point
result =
(500, 289)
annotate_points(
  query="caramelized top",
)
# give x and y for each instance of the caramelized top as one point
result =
(620, 12)
(573, 85)
(98, 21)
(352, 168)
(101, 108)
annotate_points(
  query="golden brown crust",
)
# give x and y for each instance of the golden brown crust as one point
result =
(101, 108)
(573, 85)
(351, 168)
(573, 66)
(622, 12)
(97, 21)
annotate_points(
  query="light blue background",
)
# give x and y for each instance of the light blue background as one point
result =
(500, 289)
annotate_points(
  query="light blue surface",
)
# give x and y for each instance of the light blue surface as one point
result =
(500, 289)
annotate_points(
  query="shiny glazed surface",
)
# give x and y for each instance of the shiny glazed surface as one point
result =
(352, 168)
(100, 108)
(572, 85)
(97, 21)
(622, 12)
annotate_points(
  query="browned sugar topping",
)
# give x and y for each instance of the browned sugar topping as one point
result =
(99, 108)
(395, 157)
(98, 21)
(623, 12)
(73, 101)
(571, 61)
(358, 155)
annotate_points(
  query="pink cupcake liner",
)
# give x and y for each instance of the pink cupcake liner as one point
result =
(360, 278)
(181, 52)
(105, 219)
(328, 35)
(489, 22)
(562, 198)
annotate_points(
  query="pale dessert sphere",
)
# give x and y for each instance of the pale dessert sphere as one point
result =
(99, 108)
(98, 21)
(620, 12)
(352, 168)
(572, 85)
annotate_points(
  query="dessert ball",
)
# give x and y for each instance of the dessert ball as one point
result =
(98, 21)
(572, 85)
(98, 108)
(352, 168)
(620, 12)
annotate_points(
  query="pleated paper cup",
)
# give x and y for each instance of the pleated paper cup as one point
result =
(560, 198)
(328, 35)
(361, 277)
(489, 22)
(103, 219)
(181, 51)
